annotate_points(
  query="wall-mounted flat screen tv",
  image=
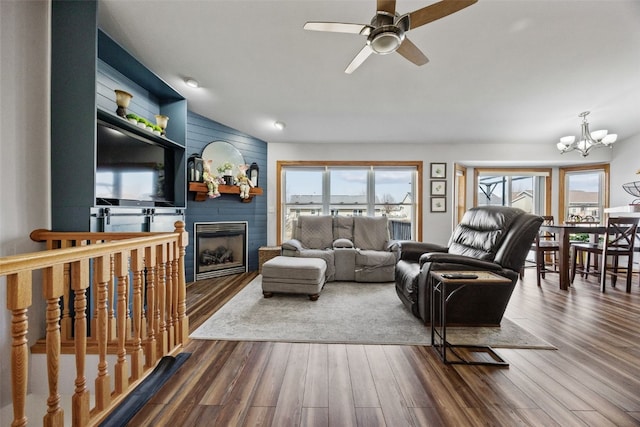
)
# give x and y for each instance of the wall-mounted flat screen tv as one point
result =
(131, 170)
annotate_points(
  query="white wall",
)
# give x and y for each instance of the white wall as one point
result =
(625, 164)
(24, 153)
(436, 226)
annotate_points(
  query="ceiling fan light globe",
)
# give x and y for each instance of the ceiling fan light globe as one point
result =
(385, 42)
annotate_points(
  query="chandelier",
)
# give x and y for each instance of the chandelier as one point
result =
(588, 140)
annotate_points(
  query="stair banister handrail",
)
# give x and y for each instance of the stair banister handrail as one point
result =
(109, 252)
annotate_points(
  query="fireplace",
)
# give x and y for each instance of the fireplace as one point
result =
(220, 249)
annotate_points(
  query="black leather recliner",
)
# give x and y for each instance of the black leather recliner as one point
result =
(489, 238)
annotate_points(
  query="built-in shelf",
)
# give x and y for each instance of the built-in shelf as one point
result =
(201, 190)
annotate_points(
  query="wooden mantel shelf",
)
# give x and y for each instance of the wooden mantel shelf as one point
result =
(200, 188)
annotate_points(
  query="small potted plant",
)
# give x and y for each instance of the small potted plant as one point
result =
(157, 130)
(142, 122)
(226, 169)
(133, 118)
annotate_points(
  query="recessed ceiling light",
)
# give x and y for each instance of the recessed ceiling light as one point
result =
(279, 125)
(191, 82)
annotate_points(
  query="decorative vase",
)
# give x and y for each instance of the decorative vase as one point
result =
(122, 100)
(162, 122)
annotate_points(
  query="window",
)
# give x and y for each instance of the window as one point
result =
(584, 192)
(354, 189)
(527, 189)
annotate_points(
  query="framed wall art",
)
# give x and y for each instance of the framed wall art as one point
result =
(438, 204)
(438, 170)
(438, 188)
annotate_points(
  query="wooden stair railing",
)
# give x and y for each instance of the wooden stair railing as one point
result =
(137, 284)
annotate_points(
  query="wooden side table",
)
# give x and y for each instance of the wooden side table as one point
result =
(265, 253)
(442, 290)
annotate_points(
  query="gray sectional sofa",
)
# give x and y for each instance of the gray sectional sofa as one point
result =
(355, 248)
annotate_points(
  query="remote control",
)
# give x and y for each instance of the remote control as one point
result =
(460, 276)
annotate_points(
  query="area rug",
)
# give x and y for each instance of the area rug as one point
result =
(346, 312)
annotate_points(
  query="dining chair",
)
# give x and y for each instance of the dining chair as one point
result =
(544, 247)
(617, 242)
(576, 239)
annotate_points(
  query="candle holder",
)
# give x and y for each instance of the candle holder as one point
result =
(253, 174)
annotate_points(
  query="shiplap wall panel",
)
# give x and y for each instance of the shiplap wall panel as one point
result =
(143, 103)
(200, 132)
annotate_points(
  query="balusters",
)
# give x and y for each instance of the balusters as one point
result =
(111, 303)
(52, 289)
(102, 272)
(175, 280)
(122, 273)
(136, 354)
(65, 323)
(124, 277)
(151, 345)
(169, 299)
(161, 298)
(80, 400)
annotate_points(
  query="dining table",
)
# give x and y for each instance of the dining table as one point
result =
(563, 234)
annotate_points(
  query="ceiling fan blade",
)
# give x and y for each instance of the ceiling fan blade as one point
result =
(338, 27)
(359, 59)
(436, 11)
(388, 6)
(411, 52)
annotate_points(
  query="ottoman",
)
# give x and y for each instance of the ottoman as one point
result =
(293, 275)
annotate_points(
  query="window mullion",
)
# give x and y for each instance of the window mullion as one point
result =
(371, 191)
(326, 191)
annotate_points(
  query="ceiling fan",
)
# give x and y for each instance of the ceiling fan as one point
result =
(387, 31)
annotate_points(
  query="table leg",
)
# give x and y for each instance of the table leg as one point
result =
(563, 264)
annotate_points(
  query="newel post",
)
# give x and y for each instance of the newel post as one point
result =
(18, 300)
(183, 320)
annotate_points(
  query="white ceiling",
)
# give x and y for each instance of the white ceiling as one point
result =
(499, 70)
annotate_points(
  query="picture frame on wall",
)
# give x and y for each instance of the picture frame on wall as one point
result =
(438, 204)
(438, 170)
(438, 187)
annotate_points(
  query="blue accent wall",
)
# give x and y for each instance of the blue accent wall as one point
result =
(228, 207)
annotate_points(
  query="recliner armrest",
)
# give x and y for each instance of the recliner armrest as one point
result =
(411, 250)
(292, 245)
(447, 258)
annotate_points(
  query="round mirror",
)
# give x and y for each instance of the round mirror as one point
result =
(219, 152)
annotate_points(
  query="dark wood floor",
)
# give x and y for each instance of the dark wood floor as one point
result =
(592, 379)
